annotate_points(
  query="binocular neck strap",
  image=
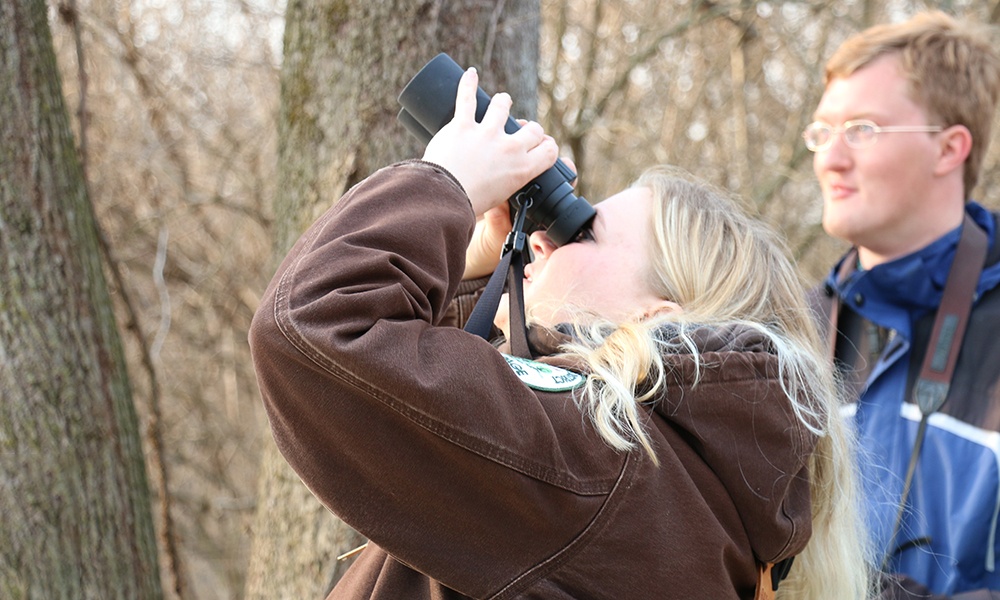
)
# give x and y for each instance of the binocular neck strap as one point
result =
(950, 321)
(511, 268)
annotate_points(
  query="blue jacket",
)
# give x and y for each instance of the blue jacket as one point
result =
(948, 535)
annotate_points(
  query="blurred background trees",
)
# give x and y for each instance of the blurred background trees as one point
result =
(73, 492)
(177, 105)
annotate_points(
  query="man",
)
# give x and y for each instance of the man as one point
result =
(899, 138)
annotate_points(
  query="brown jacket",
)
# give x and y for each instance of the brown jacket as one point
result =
(470, 484)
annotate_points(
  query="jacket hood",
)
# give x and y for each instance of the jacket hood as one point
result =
(724, 398)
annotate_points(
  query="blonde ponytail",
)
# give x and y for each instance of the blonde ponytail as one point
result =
(726, 269)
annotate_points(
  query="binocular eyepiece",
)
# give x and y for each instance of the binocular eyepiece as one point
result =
(428, 102)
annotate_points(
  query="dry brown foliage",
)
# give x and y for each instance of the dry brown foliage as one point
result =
(176, 111)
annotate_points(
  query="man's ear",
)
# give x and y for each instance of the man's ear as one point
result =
(955, 145)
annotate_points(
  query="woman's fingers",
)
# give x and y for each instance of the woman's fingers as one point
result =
(569, 163)
(488, 163)
(497, 112)
(530, 135)
(483, 253)
(465, 97)
(546, 152)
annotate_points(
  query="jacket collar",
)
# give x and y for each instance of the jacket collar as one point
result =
(546, 343)
(896, 293)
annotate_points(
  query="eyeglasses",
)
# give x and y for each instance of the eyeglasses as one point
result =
(860, 133)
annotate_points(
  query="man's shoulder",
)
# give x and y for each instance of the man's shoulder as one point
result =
(820, 299)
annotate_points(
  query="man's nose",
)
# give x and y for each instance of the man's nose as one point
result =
(837, 156)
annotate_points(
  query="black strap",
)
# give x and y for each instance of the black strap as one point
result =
(511, 268)
(952, 318)
(950, 323)
(938, 368)
(780, 571)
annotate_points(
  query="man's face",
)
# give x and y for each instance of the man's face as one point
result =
(879, 197)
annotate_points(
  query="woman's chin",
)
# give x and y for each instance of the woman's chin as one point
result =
(502, 319)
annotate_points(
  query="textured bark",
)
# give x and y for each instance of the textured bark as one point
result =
(73, 490)
(345, 62)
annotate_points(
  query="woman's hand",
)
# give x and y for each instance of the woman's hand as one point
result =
(483, 254)
(490, 164)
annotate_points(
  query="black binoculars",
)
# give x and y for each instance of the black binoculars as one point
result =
(428, 102)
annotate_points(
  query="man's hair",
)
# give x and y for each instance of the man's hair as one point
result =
(952, 69)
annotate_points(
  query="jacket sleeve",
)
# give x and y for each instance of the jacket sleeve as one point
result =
(418, 435)
(461, 306)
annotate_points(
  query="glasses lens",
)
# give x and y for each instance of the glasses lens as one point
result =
(861, 134)
(816, 135)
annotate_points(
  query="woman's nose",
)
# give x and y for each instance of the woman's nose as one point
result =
(541, 245)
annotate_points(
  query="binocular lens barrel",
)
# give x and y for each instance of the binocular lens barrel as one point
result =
(428, 102)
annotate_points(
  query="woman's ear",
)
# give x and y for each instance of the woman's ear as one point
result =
(660, 307)
(955, 145)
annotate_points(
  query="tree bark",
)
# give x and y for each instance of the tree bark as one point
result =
(345, 63)
(73, 490)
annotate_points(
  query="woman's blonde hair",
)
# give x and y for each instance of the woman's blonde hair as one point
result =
(725, 268)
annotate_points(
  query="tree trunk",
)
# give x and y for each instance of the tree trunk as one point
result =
(73, 489)
(345, 63)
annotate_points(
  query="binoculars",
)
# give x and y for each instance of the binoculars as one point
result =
(428, 102)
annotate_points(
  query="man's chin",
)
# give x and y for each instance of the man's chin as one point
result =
(837, 228)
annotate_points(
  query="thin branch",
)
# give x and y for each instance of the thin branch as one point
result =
(557, 115)
(154, 431)
(491, 32)
(161, 288)
(710, 12)
(589, 61)
(70, 15)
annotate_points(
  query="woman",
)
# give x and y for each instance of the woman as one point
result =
(682, 436)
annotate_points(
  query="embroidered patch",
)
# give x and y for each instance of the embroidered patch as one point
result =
(543, 377)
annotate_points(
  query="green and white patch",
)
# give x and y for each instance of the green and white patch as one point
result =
(543, 377)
